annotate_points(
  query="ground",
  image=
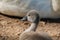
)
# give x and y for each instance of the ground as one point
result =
(11, 28)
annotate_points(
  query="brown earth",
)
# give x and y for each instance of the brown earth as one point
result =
(11, 28)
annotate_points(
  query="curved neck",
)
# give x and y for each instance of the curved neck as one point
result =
(55, 5)
(31, 28)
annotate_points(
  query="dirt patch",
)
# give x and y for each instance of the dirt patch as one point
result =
(11, 28)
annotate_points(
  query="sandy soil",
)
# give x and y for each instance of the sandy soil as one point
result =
(11, 28)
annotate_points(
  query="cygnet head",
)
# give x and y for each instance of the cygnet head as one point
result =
(33, 16)
(30, 34)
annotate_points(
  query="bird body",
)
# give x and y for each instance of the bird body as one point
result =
(45, 8)
(35, 36)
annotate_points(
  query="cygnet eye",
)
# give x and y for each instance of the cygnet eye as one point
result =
(28, 15)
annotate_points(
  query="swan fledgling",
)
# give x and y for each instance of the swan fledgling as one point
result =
(30, 34)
